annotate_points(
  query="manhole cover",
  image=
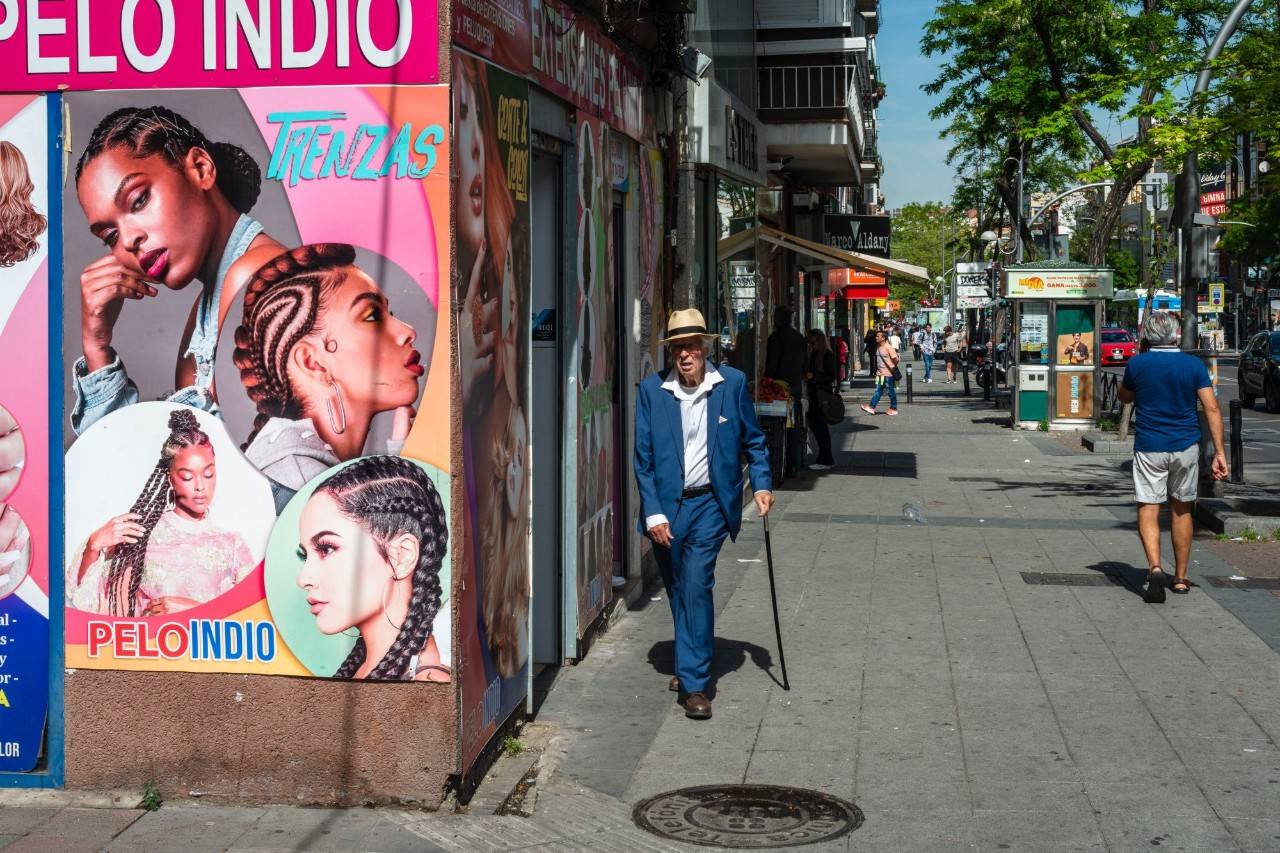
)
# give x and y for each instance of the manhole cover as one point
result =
(755, 817)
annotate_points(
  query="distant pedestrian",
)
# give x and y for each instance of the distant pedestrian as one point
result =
(895, 341)
(785, 354)
(917, 333)
(690, 484)
(821, 375)
(869, 347)
(952, 342)
(928, 346)
(842, 359)
(1165, 384)
(886, 368)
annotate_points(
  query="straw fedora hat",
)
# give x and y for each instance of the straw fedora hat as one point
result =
(686, 323)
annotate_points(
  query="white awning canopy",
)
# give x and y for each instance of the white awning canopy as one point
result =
(826, 255)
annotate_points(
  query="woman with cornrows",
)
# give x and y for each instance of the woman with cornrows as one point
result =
(320, 353)
(171, 207)
(163, 555)
(372, 540)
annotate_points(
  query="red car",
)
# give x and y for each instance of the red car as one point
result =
(1118, 346)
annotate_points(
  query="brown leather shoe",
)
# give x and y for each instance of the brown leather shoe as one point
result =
(674, 684)
(697, 707)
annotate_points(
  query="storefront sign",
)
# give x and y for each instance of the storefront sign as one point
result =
(850, 232)
(498, 30)
(24, 427)
(740, 140)
(1059, 284)
(1213, 193)
(126, 44)
(205, 541)
(574, 60)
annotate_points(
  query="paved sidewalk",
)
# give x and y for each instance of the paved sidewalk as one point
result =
(959, 705)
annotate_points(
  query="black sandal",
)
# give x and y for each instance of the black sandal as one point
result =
(1154, 593)
(1181, 586)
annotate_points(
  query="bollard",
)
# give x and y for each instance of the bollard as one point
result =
(964, 368)
(1237, 442)
(910, 398)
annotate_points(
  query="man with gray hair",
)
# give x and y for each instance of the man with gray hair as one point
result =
(1165, 384)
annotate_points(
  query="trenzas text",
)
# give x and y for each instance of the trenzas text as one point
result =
(198, 639)
(309, 146)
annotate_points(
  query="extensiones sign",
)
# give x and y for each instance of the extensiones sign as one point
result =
(133, 44)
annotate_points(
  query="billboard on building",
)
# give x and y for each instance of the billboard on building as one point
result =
(125, 44)
(594, 364)
(855, 232)
(24, 429)
(281, 259)
(491, 224)
(498, 30)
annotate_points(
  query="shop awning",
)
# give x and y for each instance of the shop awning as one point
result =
(735, 243)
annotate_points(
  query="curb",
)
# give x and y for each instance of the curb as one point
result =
(1236, 516)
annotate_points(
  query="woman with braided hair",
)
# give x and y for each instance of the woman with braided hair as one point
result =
(171, 207)
(372, 540)
(320, 353)
(163, 555)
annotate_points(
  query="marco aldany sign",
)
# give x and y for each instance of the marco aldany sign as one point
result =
(851, 232)
(1077, 283)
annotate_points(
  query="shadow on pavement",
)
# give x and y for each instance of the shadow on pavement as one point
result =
(1129, 576)
(729, 656)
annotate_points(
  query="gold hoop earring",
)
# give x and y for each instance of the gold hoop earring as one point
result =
(390, 582)
(337, 412)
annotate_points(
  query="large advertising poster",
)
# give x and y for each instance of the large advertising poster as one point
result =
(652, 303)
(24, 430)
(594, 366)
(491, 138)
(256, 332)
(122, 44)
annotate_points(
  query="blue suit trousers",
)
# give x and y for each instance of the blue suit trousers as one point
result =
(688, 572)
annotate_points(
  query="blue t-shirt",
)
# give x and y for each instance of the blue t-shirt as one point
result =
(1166, 382)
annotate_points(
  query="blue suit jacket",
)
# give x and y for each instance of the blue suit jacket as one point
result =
(732, 429)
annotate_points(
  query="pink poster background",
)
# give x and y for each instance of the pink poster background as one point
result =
(185, 44)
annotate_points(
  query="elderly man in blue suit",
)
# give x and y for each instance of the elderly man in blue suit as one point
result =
(693, 425)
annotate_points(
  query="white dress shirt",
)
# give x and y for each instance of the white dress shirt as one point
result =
(693, 425)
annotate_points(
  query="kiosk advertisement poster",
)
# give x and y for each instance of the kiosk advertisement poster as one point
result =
(24, 429)
(280, 257)
(491, 128)
(594, 357)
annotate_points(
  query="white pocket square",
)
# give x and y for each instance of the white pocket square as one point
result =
(722, 420)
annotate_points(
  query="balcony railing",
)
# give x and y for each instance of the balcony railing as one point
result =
(806, 87)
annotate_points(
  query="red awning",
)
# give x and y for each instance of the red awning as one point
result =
(865, 291)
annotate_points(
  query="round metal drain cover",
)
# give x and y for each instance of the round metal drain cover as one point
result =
(747, 816)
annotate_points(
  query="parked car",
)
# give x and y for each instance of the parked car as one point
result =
(1118, 346)
(1260, 371)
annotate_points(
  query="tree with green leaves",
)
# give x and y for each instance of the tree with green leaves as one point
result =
(1056, 79)
(925, 235)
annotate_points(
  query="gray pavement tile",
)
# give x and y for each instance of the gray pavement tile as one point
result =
(1145, 830)
(1071, 828)
(1178, 796)
(290, 828)
(888, 831)
(74, 829)
(190, 828)
(6, 840)
(997, 793)
(922, 795)
(19, 820)
(1048, 767)
(1255, 835)
(822, 770)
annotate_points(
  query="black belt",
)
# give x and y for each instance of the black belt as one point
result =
(696, 491)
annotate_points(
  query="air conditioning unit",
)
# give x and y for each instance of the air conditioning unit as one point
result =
(809, 201)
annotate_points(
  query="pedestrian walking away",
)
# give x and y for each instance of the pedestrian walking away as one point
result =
(785, 354)
(917, 335)
(952, 342)
(886, 376)
(693, 423)
(1164, 384)
(928, 346)
(895, 340)
(821, 376)
(869, 346)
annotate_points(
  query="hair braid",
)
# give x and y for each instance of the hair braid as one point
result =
(128, 560)
(282, 304)
(388, 495)
(144, 131)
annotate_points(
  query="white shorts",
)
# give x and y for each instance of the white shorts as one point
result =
(1157, 477)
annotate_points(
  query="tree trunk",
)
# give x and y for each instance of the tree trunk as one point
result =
(1110, 212)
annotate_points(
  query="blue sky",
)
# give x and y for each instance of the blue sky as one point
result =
(915, 166)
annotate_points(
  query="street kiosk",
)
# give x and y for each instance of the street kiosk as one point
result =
(1057, 324)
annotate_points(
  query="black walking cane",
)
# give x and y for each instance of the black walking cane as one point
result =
(773, 594)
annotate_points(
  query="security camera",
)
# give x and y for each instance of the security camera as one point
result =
(696, 63)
